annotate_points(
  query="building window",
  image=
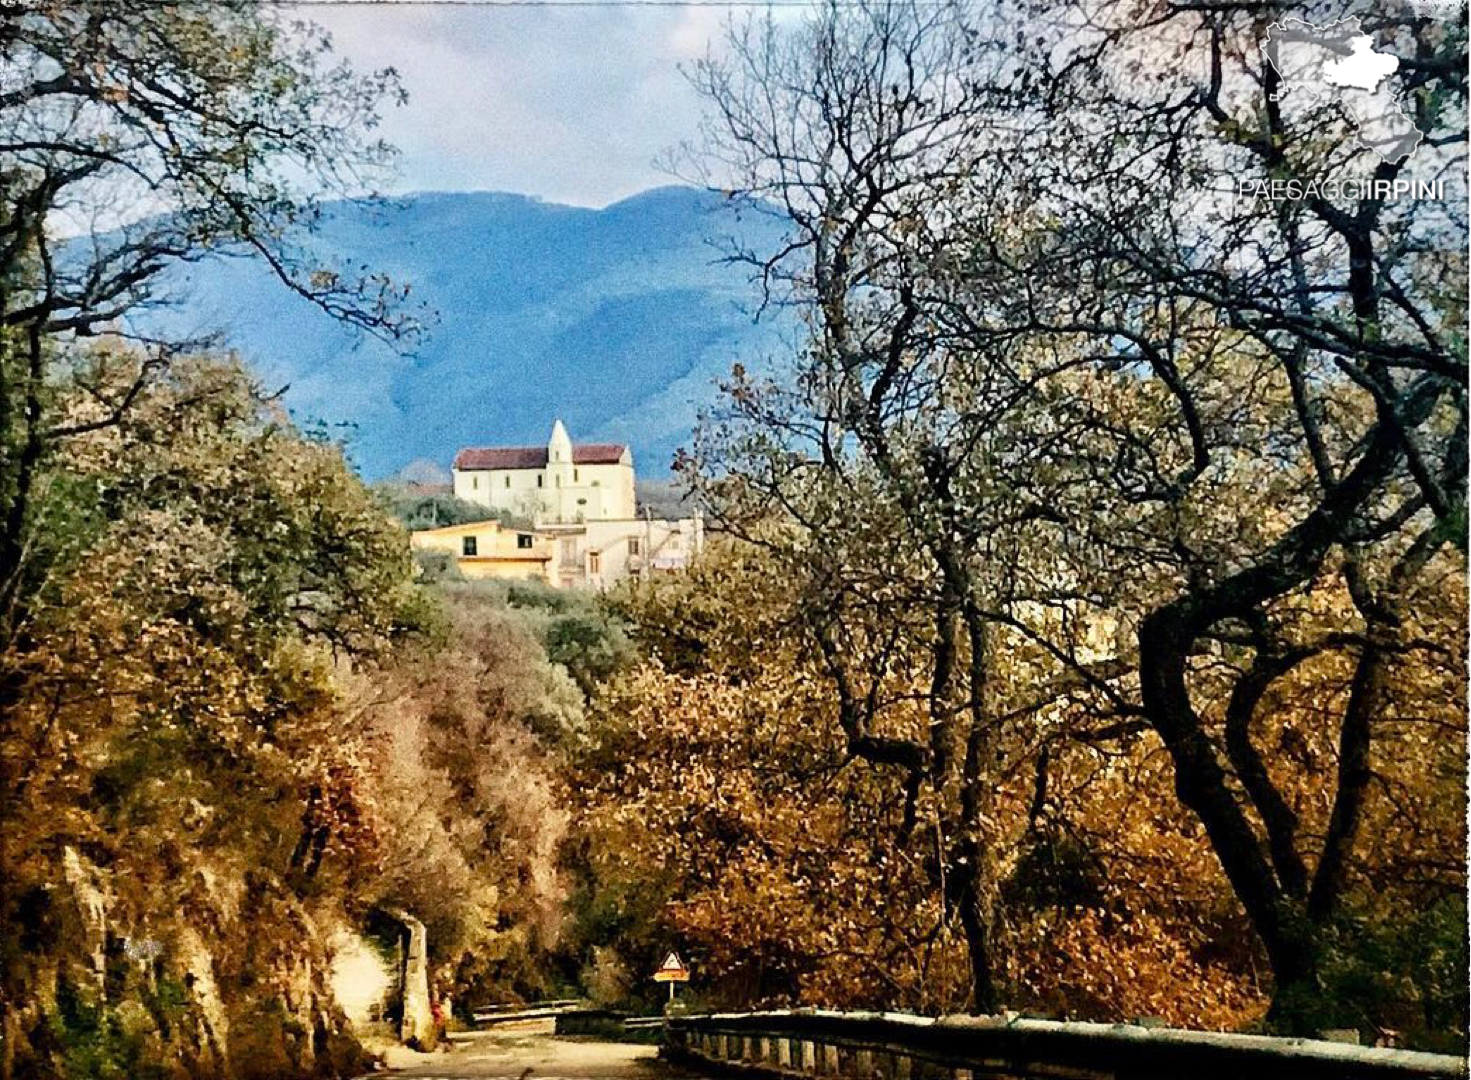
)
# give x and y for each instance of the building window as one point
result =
(559, 479)
(594, 563)
(569, 552)
(467, 546)
(597, 483)
(574, 476)
(475, 482)
(523, 540)
(538, 480)
(508, 479)
(633, 545)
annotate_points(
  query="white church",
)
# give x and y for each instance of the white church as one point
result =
(580, 502)
(555, 484)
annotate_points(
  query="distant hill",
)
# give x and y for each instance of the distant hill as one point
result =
(617, 320)
(665, 499)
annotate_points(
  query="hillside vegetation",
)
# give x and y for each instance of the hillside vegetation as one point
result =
(1083, 632)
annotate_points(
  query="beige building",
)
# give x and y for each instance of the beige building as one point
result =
(597, 554)
(556, 484)
(487, 549)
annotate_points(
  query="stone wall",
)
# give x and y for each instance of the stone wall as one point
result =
(417, 1027)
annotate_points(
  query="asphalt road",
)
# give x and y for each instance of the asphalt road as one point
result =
(523, 1055)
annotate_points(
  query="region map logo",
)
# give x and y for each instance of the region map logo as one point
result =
(1336, 63)
(1339, 62)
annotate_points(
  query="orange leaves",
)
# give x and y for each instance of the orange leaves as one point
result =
(210, 573)
(1088, 964)
(731, 797)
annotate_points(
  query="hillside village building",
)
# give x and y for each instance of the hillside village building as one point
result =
(597, 554)
(554, 484)
(487, 549)
(583, 527)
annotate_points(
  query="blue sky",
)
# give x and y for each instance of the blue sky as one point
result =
(573, 104)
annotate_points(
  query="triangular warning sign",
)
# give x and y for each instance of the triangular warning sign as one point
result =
(672, 971)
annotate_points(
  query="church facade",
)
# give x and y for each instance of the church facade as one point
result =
(561, 483)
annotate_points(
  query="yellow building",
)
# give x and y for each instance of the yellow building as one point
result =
(487, 549)
(559, 483)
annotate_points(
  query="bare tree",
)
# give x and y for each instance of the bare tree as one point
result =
(865, 128)
(1110, 386)
(1341, 300)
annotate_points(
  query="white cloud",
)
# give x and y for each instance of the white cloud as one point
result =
(574, 104)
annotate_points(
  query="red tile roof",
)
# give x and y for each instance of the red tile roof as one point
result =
(535, 457)
(599, 453)
(501, 457)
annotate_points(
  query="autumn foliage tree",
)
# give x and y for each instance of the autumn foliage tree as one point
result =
(180, 572)
(1118, 459)
(726, 813)
(724, 816)
(135, 139)
(182, 789)
(722, 812)
(467, 733)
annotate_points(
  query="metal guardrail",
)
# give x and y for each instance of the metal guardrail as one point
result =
(558, 1003)
(541, 1010)
(608, 1023)
(898, 1046)
(572, 1016)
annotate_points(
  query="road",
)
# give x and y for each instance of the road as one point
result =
(500, 1054)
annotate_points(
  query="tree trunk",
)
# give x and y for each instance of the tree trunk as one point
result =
(976, 914)
(1202, 785)
(975, 919)
(1355, 738)
(968, 899)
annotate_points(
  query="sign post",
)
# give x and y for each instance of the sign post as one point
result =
(672, 971)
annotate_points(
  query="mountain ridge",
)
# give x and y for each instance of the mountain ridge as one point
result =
(618, 320)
